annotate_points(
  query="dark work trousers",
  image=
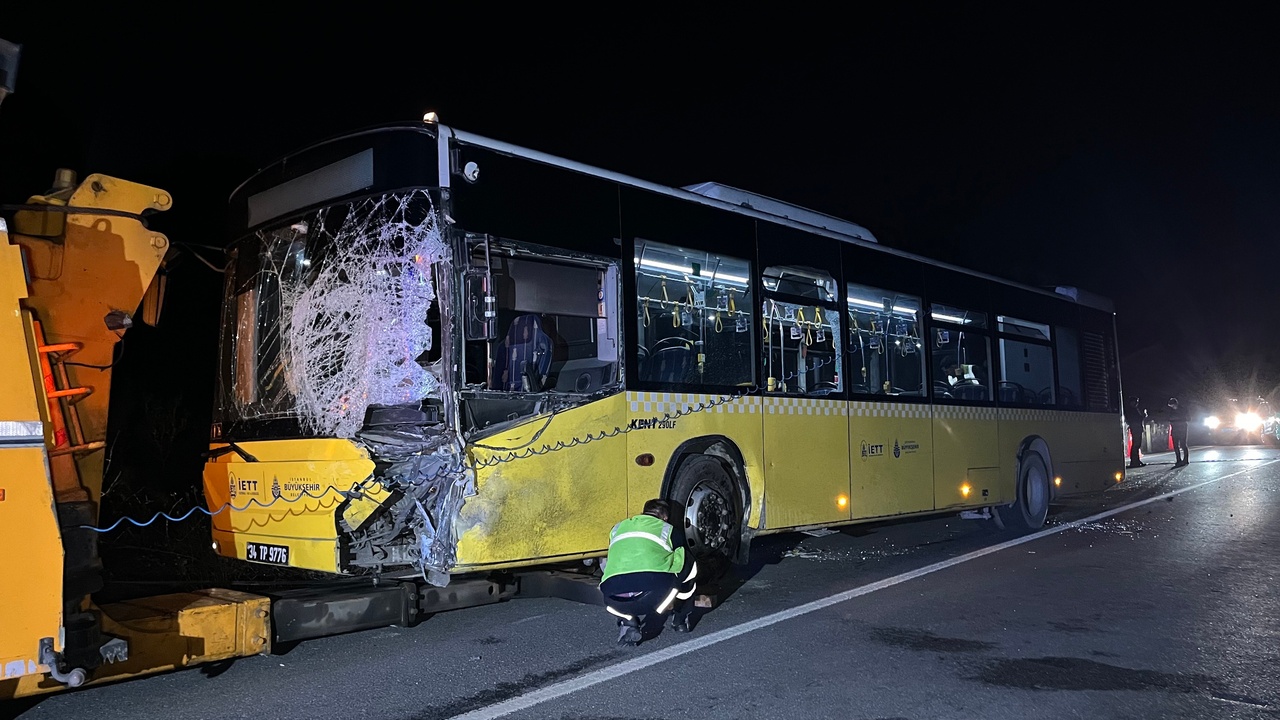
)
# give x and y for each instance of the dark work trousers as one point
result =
(1134, 455)
(641, 596)
(1180, 451)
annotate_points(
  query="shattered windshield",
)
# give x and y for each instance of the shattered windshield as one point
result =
(332, 314)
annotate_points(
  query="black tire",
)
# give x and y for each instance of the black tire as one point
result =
(1031, 508)
(708, 497)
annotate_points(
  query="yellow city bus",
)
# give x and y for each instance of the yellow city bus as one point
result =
(444, 354)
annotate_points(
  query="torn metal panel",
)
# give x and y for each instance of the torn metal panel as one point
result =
(426, 481)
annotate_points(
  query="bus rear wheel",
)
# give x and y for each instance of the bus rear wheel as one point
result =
(1031, 508)
(708, 497)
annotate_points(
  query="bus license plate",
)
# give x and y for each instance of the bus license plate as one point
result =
(261, 552)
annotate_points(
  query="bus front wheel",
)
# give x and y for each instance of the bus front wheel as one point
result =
(1031, 508)
(704, 489)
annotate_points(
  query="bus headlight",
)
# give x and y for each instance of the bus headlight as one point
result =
(1212, 422)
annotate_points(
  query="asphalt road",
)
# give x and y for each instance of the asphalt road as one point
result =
(1166, 606)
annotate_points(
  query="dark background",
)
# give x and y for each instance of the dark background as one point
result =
(1134, 156)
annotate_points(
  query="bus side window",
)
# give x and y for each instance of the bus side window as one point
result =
(552, 321)
(1026, 363)
(695, 317)
(1068, 351)
(802, 351)
(961, 351)
(886, 350)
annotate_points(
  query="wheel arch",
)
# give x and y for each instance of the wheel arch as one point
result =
(728, 453)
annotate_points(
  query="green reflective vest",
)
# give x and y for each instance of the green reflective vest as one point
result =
(642, 544)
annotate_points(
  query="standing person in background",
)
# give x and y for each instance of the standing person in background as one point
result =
(1178, 428)
(1136, 417)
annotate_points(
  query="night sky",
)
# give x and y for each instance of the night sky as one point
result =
(1137, 157)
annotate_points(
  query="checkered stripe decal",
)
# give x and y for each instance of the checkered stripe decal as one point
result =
(1029, 414)
(961, 412)
(965, 412)
(892, 410)
(804, 406)
(663, 403)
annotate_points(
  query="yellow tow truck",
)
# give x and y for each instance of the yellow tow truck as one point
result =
(75, 263)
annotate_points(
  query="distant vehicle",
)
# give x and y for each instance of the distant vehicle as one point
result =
(1240, 422)
(1270, 423)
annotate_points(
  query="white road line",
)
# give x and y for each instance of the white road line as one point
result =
(626, 667)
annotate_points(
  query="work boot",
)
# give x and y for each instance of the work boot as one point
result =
(680, 623)
(628, 634)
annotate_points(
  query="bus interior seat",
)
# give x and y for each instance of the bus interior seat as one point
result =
(670, 362)
(670, 356)
(1011, 392)
(525, 352)
(1067, 397)
(966, 391)
(825, 387)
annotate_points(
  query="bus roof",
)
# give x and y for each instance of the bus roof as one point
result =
(755, 201)
(713, 194)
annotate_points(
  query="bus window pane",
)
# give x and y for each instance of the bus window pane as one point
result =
(1069, 394)
(884, 342)
(1026, 373)
(696, 317)
(549, 321)
(962, 370)
(799, 281)
(1025, 328)
(802, 353)
(956, 316)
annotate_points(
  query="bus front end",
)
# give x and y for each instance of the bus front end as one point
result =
(334, 447)
(389, 352)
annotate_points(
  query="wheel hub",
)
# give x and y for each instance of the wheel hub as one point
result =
(707, 519)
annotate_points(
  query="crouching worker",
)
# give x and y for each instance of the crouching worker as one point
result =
(648, 573)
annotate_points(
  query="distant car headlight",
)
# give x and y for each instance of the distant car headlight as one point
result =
(1212, 422)
(1248, 421)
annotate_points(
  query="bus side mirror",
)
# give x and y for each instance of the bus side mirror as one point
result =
(481, 306)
